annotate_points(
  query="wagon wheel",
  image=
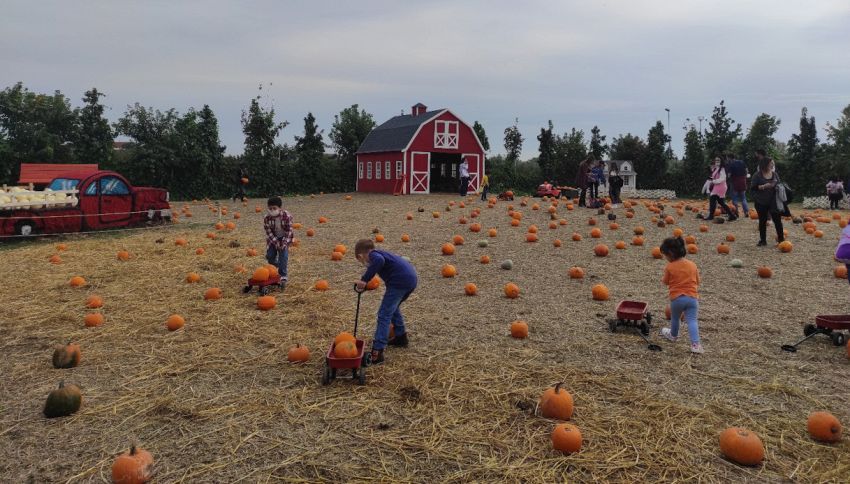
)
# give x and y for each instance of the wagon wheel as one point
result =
(246, 289)
(367, 359)
(644, 328)
(326, 375)
(264, 290)
(612, 325)
(648, 318)
(362, 379)
(809, 329)
(838, 338)
(333, 373)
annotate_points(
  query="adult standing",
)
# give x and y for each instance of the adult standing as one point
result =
(763, 186)
(464, 177)
(615, 184)
(718, 189)
(582, 180)
(241, 181)
(738, 175)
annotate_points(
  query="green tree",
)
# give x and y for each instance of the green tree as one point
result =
(546, 159)
(837, 151)
(513, 146)
(93, 143)
(598, 147)
(213, 176)
(653, 164)
(153, 157)
(263, 157)
(802, 156)
(694, 165)
(721, 135)
(482, 135)
(350, 128)
(570, 151)
(628, 147)
(760, 136)
(309, 157)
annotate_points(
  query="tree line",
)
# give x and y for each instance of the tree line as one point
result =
(183, 153)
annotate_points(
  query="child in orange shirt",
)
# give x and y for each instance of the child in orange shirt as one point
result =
(682, 277)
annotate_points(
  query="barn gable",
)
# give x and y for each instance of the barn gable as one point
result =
(395, 134)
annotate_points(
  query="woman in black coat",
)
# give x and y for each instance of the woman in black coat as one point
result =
(763, 188)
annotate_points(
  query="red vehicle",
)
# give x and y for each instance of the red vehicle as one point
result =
(79, 200)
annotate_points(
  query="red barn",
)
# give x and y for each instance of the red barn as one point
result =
(419, 153)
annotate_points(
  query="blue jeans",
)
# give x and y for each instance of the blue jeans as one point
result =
(280, 258)
(742, 198)
(689, 306)
(390, 312)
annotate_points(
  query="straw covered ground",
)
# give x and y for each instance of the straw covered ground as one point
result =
(217, 401)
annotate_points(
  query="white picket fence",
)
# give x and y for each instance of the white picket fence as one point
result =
(823, 202)
(649, 194)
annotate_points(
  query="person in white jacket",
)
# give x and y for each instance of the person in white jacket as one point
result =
(718, 190)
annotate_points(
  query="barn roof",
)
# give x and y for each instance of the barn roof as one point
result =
(395, 134)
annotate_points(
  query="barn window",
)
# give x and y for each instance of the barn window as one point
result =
(388, 172)
(360, 170)
(398, 169)
(445, 134)
(377, 170)
(368, 170)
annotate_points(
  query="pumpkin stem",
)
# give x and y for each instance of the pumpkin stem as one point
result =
(132, 449)
(558, 387)
(61, 383)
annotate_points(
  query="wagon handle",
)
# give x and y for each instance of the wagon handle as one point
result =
(357, 311)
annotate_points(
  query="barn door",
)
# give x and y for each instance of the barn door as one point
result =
(420, 173)
(474, 162)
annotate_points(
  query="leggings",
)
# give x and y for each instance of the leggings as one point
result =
(689, 306)
(764, 212)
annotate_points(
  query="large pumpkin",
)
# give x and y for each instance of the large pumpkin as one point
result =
(447, 249)
(346, 349)
(519, 329)
(596, 233)
(785, 246)
(566, 438)
(470, 289)
(77, 281)
(135, 466)
(448, 270)
(741, 446)
(344, 336)
(511, 290)
(556, 403)
(63, 401)
(765, 272)
(66, 356)
(823, 426)
(266, 303)
(656, 253)
(576, 272)
(601, 250)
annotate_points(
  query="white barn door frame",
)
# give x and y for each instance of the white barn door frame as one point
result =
(420, 180)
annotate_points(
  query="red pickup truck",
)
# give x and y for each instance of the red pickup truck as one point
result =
(79, 200)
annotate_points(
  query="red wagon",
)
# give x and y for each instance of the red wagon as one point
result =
(356, 364)
(264, 287)
(830, 325)
(634, 314)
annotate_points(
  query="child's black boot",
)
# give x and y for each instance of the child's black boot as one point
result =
(400, 341)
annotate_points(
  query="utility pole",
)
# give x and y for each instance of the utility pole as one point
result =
(669, 138)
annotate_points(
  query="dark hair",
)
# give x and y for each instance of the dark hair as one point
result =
(761, 152)
(275, 202)
(615, 167)
(674, 247)
(722, 165)
(764, 163)
(730, 156)
(835, 178)
(363, 246)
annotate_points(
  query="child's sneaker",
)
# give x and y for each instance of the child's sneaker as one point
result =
(668, 334)
(377, 357)
(400, 341)
(697, 348)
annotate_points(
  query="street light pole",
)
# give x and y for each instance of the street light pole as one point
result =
(700, 123)
(669, 138)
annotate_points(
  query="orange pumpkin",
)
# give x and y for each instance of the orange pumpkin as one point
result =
(448, 270)
(566, 438)
(323, 220)
(77, 281)
(692, 248)
(690, 239)
(251, 252)
(310, 232)
(448, 249)
(199, 251)
(336, 256)
(342, 249)
(785, 246)
(576, 272)
(133, 467)
(531, 237)
(405, 238)
(637, 240)
(321, 285)
(818, 234)
(556, 242)
(66, 356)
(61, 247)
(123, 255)
(576, 237)
(722, 248)
(591, 221)
(175, 322)
(596, 233)
(620, 245)
(730, 238)
(840, 272)
(379, 238)
(600, 292)
(519, 329)
(514, 223)
(266, 303)
(511, 290)
(93, 319)
(485, 259)
(409, 216)
(492, 232)
(600, 250)
(212, 294)
(656, 253)
(94, 301)
(343, 337)
(229, 225)
(741, 446)
(457, 240)
(55, 259)
(823, 426)
(677, 232)
(260, 275)
(298, 354)
(476, 227)
(556, 403)
(765, 272)
(373, 283)
(639, 230)
(703, 228)
(532, 229)
(613, 226)
(470, 289)
(346, 349)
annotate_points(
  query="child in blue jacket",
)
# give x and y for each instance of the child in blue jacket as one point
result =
(400, 280)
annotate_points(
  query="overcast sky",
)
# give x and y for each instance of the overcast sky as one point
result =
(616, 64)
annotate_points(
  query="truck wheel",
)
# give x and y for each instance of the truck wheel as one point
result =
(25, 228)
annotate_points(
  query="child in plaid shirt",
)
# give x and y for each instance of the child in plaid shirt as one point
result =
(278, 226)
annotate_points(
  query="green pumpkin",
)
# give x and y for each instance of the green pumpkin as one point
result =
(736, 263)
(483, 243)
(67, 356)
(63, 401)
(508, 265)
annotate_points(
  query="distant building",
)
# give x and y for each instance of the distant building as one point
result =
(419, 152)
(120, 145)
(627, 173)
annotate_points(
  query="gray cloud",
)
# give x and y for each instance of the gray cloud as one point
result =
(616, 64)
